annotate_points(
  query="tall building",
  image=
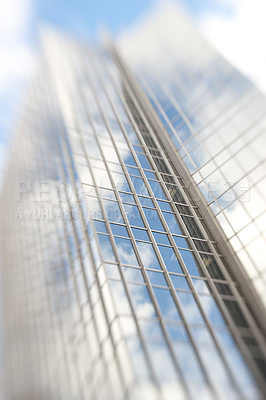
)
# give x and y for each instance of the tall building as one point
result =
(118, 280)
(215, 119)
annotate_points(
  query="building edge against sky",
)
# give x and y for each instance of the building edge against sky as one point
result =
(133, 297)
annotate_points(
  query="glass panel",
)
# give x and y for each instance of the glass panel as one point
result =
(139, 186)
(201, 286)
(106, 248)
(164, 205)
(148, 256)
(190, 262)
(153, 219)
(146, 201)
(179, 282)
(181, 242)
(236, 360)
(192, 227)
(172, 223)
(212, 266)
(224, 289)
(177, 333)
(133, 216)
(143, 161)
(161, 361)
(150, 175)
(137, 357)
(112, 271)
(189, 366)
(107, 194)
(166, 303)
(120, 297)
(157, 190)
(140, 234)
(161, 238)
(157, 278)
(125, 251)
(113, 211)
(236, 313)
(133, 171)
(151, 330)
(119, 230)
(141, 301)
(120, 182)
(100, 226)
(169, 258)
(190, 308)
(211, 310)
(133, 274)
(101, 178)
(127, 198)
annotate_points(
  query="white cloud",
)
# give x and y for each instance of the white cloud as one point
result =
(13, 17)
(17, 58)
(239, 36)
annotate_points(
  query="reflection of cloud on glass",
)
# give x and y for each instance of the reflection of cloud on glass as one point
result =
(216, 120)
(147, 255)
(125, 251)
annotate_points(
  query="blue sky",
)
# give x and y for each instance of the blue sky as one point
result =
(83, 17)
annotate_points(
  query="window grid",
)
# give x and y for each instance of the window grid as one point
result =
(197, 170)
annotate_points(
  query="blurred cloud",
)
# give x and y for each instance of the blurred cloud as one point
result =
(17, 61)
(14, 15)
(16, 54)
(239, 36)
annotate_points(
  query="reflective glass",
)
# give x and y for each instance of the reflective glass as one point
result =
(166, 304)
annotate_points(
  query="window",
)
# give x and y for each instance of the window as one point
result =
(157, 278)
(181, 242)
(120, 297)
(120, 182)
(141, 300)
(113, 211)
(125, 251)
(133, 274)
(140, 234)
(190, 308)
(147, 255)
(169, 258)
(190, 262)
(100, 226)
(119, 230)
(201, 286)
(146, 201)
(211, 310)
(172, 223)
(133, 215)
(161, 238)
(153, 219)
(179, 282)
(106, 248)
(166, 304)
(139, 186)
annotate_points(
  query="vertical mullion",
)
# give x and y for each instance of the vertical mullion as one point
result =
(225, 311)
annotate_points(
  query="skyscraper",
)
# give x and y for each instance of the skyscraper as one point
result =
(118, 281)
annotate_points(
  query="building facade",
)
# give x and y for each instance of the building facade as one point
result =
(118, 281)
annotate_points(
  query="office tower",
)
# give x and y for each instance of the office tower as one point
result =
(216, 121)
(118, 283)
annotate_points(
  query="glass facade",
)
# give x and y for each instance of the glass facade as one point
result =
(114, 285)
(216, 120)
